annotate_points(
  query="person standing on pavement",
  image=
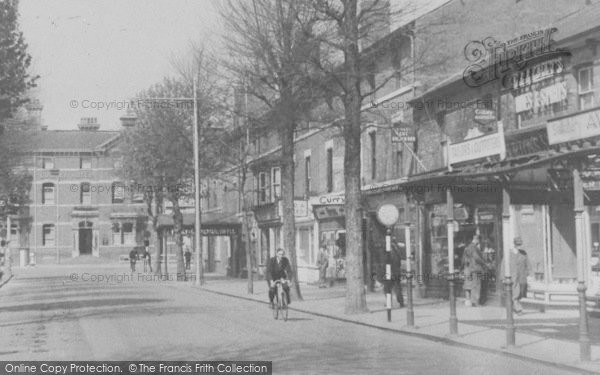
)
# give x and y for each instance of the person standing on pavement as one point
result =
(520, 268)
(398, 254)
(132, 259)
(188, 258)
(322, 263)
(474, 267)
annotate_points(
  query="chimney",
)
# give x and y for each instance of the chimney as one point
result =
(34, 113)
(89, 124)
(128, 120)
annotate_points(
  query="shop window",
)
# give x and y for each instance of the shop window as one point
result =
(48, 235)
(118, 192)
(585, 80)
(329, 170)
(85, 195)
(48, 163)
(276, 183)
(128, 234)
(48, 193)
(85, 162)
(116, 234)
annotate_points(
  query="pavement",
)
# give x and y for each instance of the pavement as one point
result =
(102, 313)
(549, 337)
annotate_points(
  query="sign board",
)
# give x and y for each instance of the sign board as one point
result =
(329, 211)
(582, 125)
(477, 148)
(300, 208)
(484, 115)
(328, 199)
(403, 133)
(218, 231)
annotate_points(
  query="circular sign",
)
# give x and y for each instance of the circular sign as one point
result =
(388, 214)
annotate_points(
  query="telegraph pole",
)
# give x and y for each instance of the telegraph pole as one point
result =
(197, 234)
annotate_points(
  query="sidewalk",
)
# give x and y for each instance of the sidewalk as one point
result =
(550, 337)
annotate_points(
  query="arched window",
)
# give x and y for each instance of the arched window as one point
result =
(85, 196)
(48, 193)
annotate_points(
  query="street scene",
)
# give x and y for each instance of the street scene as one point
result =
(299, 186)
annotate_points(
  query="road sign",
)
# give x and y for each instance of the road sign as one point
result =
(403, 134)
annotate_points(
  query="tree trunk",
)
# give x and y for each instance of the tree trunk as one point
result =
(356, 301)
(287, 193)
(178, 234)
(246, 226)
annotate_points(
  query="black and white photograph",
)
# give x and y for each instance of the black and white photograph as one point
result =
(299, 187)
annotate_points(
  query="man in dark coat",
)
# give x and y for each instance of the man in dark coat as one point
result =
(277, 269)
(132, 259)
(474, 267)
(398, 254)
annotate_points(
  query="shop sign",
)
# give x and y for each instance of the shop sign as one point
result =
(329, 211)
(476, 148)
(300, 208)
(484, 115)
(403, 133)
(328, 199)
(590, 177)
(537, 73)
(538, 100)
(218, 231)
(574, 127)
(525, 144)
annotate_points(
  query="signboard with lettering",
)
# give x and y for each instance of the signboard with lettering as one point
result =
(329, 211)
(538, 100)
(579, 126)
(329, 199)
(484, 115)
(219, 231)
(403, 133)
(476, 148)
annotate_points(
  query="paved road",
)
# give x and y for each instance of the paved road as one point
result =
(46, 314)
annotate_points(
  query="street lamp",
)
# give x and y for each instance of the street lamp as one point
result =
(388, 215)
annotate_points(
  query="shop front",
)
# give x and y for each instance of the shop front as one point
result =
(329, 213)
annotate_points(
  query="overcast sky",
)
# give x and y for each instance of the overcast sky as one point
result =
(89, 52)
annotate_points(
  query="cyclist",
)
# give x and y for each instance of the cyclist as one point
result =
(278, 269)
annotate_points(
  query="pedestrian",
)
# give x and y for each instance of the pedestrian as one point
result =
(188, 258)
(474, 267)
(132, 259)
(147, 260)
(398, 254)
(323, 263)
(3, 254)
(520, 268)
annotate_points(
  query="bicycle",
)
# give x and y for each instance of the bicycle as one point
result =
(281, 302)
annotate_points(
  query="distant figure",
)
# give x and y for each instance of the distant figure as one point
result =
(3, 260)
(147, 260)
(132, 259)
(474, 266)
(398, 254)
(520, 268)
(188, 258)
(322, 263)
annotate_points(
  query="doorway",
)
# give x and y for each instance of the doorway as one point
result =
(85, 238)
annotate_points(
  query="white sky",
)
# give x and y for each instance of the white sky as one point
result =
(90, 51)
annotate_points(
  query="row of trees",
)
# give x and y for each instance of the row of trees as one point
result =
(296, 61)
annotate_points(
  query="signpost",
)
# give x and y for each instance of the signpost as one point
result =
(403, 133)
(388, 215)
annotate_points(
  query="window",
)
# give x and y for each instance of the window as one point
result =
(137, 196)
(85, 162)
(128, 234)
(307, 175)
(48, 235)
(329, 170)
(399, 163)
(116, 234)
(373, 143)
(14, 235)
(304, 242)
(275, 183)
(118, 192)
(586, 88)
(444, 145)
(262, 187)
(85, 194)
(47, 163)
(48, 193)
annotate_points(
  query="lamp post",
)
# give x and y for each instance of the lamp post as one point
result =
(410, 313)
(451, 279)
(388, 215)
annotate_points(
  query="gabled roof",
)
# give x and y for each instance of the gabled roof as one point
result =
(72, 140)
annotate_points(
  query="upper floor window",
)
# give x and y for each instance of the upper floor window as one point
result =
(275, 183)
(48, 192)
(307, 175)
(263, 191)
(48, 235)
(329, 170)
(585, 79)
(85, 194)
(373, 143)
(399, 163)
(85, 162)
(48, 163)
(118, 192)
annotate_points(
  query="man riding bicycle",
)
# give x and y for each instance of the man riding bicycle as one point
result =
(278, 269)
